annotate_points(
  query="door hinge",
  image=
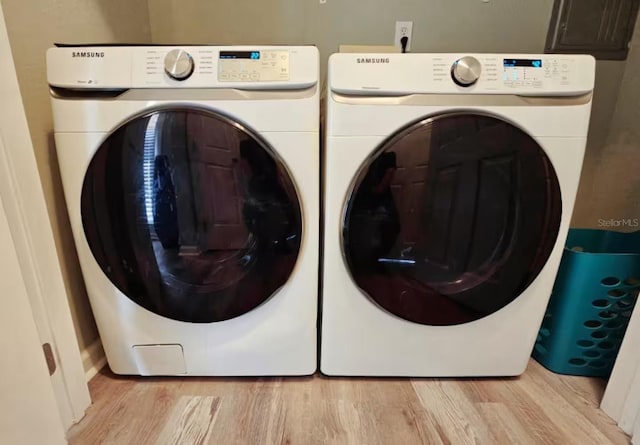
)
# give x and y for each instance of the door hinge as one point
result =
(50, 359)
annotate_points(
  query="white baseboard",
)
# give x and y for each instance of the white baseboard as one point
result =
(93, 359)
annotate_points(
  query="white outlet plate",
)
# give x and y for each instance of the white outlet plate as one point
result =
(403, 29)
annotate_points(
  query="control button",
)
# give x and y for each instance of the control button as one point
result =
(244, 76)
(255, 76)
(224, 76)
(528, 83)
(178, 64)
(466, 71)
(234, 76)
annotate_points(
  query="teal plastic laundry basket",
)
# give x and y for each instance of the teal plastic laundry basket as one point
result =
(594, 294)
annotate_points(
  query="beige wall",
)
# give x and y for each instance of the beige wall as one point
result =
(610, 187)
(606, 189)
(33, 26)
(438, 25)
(608, 80)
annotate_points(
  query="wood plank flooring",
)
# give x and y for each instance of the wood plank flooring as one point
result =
(537, 408)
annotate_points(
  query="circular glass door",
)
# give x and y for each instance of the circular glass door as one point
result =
(190, 215)
(451, 219)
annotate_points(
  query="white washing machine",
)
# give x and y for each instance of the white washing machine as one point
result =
(191, 176)
(449, 187)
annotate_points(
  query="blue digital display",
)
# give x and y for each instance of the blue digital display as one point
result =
(253, 55)
(530, 63)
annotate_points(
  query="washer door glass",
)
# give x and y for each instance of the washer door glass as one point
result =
(451, 219)
(191, 216)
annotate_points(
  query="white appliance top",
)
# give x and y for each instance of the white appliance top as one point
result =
(413, 73)
(124, 67)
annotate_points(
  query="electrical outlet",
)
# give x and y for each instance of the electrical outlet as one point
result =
(403, 29)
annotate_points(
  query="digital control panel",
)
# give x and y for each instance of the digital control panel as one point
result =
(507, 73)
(459, 73)
(523, 72)
(253, 66)
(535, 72)
(164, 66)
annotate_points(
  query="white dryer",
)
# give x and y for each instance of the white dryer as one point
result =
(191, 176)
(449, 187)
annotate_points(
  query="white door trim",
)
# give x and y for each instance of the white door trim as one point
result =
(23, 198)
(631, 406)
(620, 400)
(30, 412)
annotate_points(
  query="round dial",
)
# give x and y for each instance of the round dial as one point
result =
(466, 71)
(178, 64)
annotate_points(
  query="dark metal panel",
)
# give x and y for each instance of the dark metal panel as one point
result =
(602, 28)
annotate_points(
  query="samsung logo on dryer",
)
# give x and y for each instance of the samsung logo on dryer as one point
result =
(87, 54)
(372, 60)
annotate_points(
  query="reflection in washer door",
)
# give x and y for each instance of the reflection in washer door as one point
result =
(191, 216)
(451, 219)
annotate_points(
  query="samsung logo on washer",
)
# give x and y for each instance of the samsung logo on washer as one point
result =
(372, 60)
(87, 54)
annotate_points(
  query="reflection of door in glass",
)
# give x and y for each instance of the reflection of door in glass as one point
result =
(190, 215)
(469, 207)
(215, 151)
(472, 216)
(408, 185)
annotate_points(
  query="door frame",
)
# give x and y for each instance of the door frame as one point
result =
(27, 392)
(23, 198)
(621, 399)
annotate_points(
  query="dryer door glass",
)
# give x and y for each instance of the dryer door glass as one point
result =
(191, 216)
(451, 219)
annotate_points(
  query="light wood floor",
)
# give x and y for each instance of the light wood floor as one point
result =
(537, 408)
